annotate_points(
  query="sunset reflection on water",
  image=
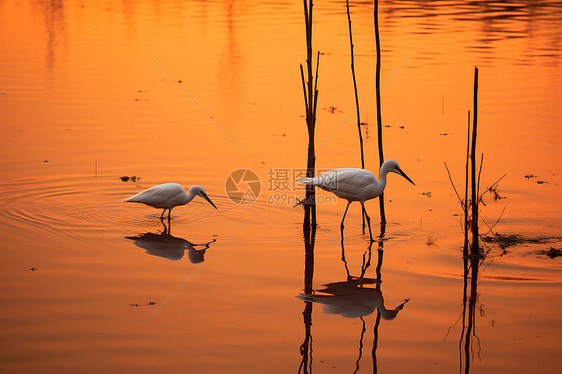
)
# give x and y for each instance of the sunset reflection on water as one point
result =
(188, 92)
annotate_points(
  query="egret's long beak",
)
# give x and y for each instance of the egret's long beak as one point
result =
(207, 198)
(405, 176)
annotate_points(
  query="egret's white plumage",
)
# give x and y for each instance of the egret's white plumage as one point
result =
(168, 196)
(355, 184)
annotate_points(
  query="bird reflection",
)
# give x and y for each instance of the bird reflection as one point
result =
(170, 247)
(353, 299)
(356, 297)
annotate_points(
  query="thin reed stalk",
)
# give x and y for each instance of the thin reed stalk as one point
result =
(378, 100)
(465, 207)
(310, 89)
(357, 112)
(474, 201)
(355, 86)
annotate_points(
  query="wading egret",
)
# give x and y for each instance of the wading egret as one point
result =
(168, 196)
(356, 184)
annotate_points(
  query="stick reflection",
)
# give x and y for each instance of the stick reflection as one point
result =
(468, 315)
(309, 232)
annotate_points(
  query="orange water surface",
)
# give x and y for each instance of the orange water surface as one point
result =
(188, 92)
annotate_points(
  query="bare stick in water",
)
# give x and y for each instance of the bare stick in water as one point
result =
(378, 99)
(475, 247)
(356, 97)
(310, 99)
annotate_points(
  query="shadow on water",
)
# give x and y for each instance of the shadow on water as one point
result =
(309, 233)
(355, 297)
(170, 247)
(468, 316)
(55, 26)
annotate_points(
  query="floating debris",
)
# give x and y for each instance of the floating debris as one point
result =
(552, 252)
(332, 109)
(505, 241)
(133, 179)
(529, 176)
(428, 194)
(431, 241)
(33, 269)
(137, 305)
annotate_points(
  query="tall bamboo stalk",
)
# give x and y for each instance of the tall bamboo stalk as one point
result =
(355, 86)
(356, 99)
(474, 199)
(378, 98)
(465, 207)
(310, 99)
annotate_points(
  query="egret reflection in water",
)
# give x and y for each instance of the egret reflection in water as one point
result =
(170, 247)
(352, 299)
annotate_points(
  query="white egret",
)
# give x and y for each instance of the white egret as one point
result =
(356, 184)
(168, 196)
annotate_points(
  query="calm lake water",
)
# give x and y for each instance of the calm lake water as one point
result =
(188, 92)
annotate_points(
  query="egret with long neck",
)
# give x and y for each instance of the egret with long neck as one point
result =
(168, 196)
(356, 185)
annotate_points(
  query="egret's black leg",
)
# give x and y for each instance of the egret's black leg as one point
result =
(363, 218)
(169, 214)
(344, 214)
(162, 215)
(344, 259)
(368, 221)
(165, 228)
